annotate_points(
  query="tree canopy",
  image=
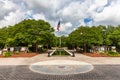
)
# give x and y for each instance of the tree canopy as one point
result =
(40, 32)
(37, 32)
(86, 37)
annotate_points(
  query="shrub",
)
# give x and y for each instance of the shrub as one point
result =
(102, 53)
(111, 53)
(7, 54)
(17, 52)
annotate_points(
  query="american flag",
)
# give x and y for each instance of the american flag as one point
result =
(58, 26)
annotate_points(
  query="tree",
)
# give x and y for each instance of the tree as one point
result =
(86, 37)
(35, 32)
(3, 37)
(114, 37)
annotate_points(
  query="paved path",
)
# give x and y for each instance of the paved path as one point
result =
(78, 57)
(17, 68)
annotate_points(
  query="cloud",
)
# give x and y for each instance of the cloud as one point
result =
(66, 26)
(110, 15)
(73, 13)
(5, 7)
(11, 12)
(12, 18)
(39, 16)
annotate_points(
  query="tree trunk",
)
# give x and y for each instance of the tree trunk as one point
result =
(36, 47)
(85, 48)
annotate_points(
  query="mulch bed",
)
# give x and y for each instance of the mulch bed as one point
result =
(96, 55)
(21, 55)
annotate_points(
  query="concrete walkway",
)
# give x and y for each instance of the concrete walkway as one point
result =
(78, 57)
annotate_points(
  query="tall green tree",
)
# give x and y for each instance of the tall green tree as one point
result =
(86, 37)
(3, 36)
(35, 32)
(114, 36)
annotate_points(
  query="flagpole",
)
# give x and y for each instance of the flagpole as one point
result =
(60, 42)
(60, 45)
(58, 26)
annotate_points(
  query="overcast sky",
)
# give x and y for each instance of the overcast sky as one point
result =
(72, 13)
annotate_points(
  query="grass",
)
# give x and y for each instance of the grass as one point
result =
(62, 53)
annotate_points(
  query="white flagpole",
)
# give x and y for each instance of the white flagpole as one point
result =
(60, 41)
(60, 46)
(58, 26)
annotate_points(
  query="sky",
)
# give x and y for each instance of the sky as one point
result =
(71, 13)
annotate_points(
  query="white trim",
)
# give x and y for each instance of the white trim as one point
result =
(69, 52)
(52, 52)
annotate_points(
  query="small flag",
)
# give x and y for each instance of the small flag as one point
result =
(58, 26)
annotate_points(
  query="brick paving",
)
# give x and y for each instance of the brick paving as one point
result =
(104, 72)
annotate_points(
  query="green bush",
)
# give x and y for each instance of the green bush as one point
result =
(111, 53)
(17, 52)
(102, 53)
(7, 54)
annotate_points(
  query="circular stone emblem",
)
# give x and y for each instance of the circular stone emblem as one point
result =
(61, 67)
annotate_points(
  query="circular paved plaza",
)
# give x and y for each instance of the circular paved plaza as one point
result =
(61, 67)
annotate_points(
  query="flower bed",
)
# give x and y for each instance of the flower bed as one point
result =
(95, 55)
(100, 55)
(20, 55)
